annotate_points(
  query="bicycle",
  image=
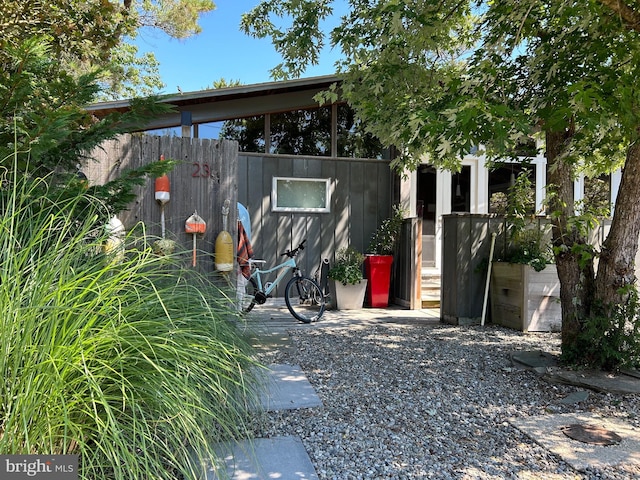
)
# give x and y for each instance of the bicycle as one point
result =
(302, 295)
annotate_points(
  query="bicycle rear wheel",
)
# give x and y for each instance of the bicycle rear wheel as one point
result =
(248, 298)
(304, 299)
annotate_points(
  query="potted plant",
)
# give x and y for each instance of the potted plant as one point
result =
(350, 284)
(379, 258)
(524, 283)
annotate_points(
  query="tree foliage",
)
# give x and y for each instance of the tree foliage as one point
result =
(90, 35)
(45, 132)
(436, 78)
(56, 57)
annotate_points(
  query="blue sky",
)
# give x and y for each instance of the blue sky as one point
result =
(220, 51)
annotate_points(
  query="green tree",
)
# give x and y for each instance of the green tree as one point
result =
(127, 74)
(56, 57)
(90, 35)
(46, 133)
(436, 78)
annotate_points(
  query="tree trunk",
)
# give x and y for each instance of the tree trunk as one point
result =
(576, 277)
(617, 259)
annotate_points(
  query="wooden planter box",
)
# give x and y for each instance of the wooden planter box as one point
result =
(524, 299)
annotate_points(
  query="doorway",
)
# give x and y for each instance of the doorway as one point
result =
(426, 199)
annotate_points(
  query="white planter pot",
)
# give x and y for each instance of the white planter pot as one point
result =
(350, 297)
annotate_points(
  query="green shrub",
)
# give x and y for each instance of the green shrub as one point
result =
(135, 367)
(347, 268)
(384, 240)
(609, 341)
(526, 238)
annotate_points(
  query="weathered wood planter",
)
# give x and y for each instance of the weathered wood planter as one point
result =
(524, 299)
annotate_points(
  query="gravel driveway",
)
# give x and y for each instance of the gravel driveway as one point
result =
(412, 401)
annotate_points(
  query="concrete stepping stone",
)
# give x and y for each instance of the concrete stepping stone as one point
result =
(533, 359)
(547, 430)
(284, 458)
(598, 381)
(287, 388)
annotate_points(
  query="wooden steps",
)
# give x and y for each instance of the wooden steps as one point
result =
(430, 288)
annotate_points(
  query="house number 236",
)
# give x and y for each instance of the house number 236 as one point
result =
(201, 170)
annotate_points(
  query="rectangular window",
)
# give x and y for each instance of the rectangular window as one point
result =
(301, 132)
(301, 194)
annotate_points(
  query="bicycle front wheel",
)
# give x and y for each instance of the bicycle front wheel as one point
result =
(304, 299)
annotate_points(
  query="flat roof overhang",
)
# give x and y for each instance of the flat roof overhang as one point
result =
(229, 103)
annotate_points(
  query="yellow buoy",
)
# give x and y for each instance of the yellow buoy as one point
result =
(224, 244)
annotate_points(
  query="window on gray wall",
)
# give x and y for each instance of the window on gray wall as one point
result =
(301, 194)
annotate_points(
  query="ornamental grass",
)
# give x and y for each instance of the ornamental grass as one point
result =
(131, 363)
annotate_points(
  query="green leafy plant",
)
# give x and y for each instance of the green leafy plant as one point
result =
(347, 268)
(610, 338)
(43, 117)
(136, 367)
(526, 239)
(385, 238)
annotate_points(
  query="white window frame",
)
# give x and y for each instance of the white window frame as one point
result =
(323, 209)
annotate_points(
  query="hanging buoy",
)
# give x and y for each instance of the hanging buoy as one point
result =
(163, 195)
(224, 244)
(195, 224)
(114, 245)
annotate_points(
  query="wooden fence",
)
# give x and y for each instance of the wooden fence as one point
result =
(206, 176)
(407, 266)
(210, 171)
(466, 246)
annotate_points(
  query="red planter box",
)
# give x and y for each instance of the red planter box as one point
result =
(377, 270)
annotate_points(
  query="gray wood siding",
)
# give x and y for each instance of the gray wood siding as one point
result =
(360, 199)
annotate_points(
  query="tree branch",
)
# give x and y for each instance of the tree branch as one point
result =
(629, 16)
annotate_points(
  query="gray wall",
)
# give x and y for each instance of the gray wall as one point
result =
(361, 199)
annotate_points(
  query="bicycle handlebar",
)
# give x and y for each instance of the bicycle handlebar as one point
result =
(294, 252)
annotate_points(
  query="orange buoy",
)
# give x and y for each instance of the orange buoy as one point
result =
(163, 194)
(195, 224)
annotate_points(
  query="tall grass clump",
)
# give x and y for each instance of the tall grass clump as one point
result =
(135, 367)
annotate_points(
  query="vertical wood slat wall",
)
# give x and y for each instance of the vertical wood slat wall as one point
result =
(206, 175)
(360, 200)
(362, 195)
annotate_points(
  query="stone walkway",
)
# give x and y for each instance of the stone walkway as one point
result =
(285, 458)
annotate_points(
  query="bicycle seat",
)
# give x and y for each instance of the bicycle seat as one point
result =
(251, 260)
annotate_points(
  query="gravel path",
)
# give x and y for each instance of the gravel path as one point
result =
(415, 401)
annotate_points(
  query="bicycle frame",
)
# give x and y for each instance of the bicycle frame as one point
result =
(302, 295)
(289, 264)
